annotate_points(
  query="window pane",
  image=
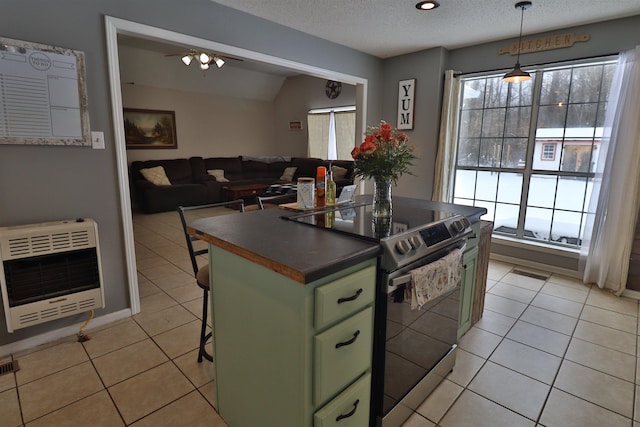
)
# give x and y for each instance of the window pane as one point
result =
(468, 152)
(585, 84)
(555, 87)
(514, 153)
(566, 227)
(495, 93)
(493, 122)
(518, 122)
(470, 123)
(521, 94)
(537, 223)
(542, 191)
(581, 115)
(486, 186)
(553, 116)
(571, 193)
(465, 184)
(490, 149)
(473, 94)
(509, 187)
(506, 220)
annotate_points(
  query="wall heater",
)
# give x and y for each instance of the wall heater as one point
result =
(49, 271)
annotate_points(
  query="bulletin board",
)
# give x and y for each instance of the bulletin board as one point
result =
(43, 96)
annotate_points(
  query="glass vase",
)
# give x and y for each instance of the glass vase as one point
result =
(382, 205)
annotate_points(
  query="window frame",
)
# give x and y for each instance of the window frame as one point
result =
(528, 171)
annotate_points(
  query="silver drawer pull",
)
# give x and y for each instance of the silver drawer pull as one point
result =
(351, 298)
(350, 413)
(349, 342)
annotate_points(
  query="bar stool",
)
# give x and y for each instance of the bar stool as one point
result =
(201, 274)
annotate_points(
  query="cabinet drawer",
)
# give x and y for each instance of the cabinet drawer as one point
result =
(349, 409)
(342, 353)
(474, 237)
(344, 296)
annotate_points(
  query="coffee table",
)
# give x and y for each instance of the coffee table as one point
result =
(247, 192)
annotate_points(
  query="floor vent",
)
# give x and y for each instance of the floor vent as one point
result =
(7, 368)
(528, 274)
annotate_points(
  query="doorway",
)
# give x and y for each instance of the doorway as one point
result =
(115, 26)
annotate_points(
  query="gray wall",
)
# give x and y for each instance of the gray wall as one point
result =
(52, 183)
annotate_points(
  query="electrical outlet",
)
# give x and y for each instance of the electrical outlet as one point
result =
(97, 140)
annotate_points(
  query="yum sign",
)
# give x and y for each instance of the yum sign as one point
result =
(406, 92)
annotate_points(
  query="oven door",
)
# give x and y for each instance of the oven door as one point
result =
(416, 348)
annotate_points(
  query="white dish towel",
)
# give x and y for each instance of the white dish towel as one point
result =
(434, 279)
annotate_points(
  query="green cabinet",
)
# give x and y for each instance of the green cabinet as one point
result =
(470, 265)
(291, 354)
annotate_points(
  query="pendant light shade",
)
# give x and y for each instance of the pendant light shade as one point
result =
(517, 75)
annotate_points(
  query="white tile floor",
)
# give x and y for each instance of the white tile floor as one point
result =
(546, 352)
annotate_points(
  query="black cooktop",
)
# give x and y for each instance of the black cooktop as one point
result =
(356, 219)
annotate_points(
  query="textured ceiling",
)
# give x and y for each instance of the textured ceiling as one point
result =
(387, 28)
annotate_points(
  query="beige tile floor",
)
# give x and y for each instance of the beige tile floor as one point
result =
(549, 352)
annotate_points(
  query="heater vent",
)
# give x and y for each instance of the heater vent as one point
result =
(49, 271)
(48, 243)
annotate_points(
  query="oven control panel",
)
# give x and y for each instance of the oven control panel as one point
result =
(404, 248)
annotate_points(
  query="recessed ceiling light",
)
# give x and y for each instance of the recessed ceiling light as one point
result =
(427, 5)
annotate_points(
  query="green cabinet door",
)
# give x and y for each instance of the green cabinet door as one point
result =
(469, 261)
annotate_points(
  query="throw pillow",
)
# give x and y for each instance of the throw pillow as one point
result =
(288, 173)
(218, 174)
(155, 175)
(338, 172)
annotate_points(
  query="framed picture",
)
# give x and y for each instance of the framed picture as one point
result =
(149, 128)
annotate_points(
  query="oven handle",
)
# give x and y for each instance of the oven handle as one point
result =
(394, 283)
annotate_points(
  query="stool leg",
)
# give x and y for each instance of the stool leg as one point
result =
(203, 330)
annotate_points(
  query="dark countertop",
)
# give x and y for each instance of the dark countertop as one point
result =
(298, 251)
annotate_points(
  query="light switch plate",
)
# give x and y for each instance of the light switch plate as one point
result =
(97, 140)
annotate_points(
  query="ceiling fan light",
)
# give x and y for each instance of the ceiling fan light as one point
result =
(204, 66)
(427, 5)
(219, 61)
(186, 60)
(516, 75)
(204, 58)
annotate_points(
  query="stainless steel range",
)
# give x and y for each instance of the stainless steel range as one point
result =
(413, 349)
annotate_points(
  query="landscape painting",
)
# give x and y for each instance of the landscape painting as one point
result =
(149, 128)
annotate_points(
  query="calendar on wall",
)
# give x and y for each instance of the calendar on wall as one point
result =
(43, 97)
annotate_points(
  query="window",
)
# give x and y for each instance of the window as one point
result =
(527, 152)
(549, 151)
(332, 141)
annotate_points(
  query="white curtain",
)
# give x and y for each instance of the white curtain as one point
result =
(613, 208)
(332, 149)
(447, 143)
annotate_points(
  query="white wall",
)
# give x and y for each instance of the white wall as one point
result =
(207, 125)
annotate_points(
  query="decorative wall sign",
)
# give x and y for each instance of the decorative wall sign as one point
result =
(149, 128)
(332, 89)
(406, 92)
(295, 125)
(559, 41)
(43, 97)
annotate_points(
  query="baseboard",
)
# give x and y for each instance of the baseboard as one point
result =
(535, 265)
(67, 331)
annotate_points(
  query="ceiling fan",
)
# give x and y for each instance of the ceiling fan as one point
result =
(203, 58)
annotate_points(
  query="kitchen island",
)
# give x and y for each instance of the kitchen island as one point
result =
(293, 314)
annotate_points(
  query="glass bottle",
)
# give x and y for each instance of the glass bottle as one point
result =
(331, 189)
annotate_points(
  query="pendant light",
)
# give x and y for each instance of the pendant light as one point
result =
(517, 75)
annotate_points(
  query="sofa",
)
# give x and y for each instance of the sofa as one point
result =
(163, 185)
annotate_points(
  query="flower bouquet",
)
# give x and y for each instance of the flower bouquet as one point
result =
(385, 156)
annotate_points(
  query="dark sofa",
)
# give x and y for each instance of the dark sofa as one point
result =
(191, 184)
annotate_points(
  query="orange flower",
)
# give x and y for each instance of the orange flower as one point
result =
(355, 152)
(368, 147)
